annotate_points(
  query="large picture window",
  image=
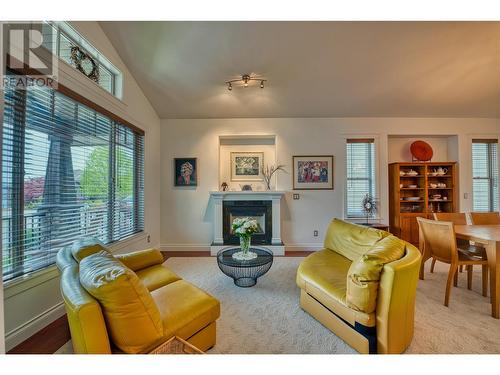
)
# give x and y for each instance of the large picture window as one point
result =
(360, 175)
(485, 174)
(68, 172)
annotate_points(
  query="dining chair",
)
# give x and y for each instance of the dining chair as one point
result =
(459, 218)
(440, 243)
(485, 218)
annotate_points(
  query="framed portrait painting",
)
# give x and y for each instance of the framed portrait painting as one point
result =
(247, 166)
(313, 172)
(186, 172)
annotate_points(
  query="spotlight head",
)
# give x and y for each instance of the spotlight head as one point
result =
(229, 86)
(261, 84)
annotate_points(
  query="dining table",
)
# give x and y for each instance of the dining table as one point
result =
(489, 237)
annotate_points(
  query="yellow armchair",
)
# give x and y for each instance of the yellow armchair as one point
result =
(108, 300)
(362, 287)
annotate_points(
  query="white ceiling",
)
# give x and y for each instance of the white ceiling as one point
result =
(315, 69)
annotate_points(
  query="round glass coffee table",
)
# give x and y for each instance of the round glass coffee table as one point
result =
(245, 272)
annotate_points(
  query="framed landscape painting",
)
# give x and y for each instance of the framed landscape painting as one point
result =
(313, 172)
(186, 172)
(247, 166)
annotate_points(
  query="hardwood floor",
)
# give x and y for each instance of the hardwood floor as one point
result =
(56, 334)
(47, 340)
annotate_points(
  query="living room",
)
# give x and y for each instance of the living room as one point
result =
(219, 185)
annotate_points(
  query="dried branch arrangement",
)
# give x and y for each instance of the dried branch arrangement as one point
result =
(269, 171)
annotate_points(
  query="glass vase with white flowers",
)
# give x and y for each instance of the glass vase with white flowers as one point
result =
(244, 228)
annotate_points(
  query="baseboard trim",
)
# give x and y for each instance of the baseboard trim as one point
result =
(204, 247)
(32, 326)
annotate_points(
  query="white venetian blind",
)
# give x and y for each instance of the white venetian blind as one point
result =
(360, 174)
(485, 174)
(68, 172)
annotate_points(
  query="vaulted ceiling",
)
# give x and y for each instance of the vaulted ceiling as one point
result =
(315, 69)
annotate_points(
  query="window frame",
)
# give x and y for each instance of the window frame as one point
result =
(138, 153)
(493, 199)
(65, 29)
(376, 172)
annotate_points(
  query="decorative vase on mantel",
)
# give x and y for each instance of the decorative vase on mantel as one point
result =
(268, 173)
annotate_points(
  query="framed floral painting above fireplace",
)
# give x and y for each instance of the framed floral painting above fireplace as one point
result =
(247, 166)
(313, 172)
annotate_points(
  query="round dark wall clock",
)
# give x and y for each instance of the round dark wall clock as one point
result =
(85, 63)
(421, 151)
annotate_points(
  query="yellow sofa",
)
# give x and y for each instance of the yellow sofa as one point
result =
(130, 303)
(362, 287)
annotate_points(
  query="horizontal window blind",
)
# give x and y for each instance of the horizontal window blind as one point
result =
(360, 174)
(485, 174)
(68, 172)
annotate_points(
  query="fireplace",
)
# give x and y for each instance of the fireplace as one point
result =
(264, 206)
(261, 211)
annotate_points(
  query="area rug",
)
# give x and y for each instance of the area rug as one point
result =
(267, 319)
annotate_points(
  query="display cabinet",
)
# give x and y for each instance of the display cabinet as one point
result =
(418, 190)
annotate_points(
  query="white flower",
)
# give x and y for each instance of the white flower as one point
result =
(245, 226)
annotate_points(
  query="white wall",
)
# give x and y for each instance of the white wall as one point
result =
(2, 325)
(399, 147)
(186, 214)
(33, 303)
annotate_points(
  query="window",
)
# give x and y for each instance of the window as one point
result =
(110, 78)
(485, 174)
(68, 172)
(360, 175)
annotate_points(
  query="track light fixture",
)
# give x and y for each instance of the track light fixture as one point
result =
(245, 79)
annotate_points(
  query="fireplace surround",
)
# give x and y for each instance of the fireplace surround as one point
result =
(265, 206)
(261, 211)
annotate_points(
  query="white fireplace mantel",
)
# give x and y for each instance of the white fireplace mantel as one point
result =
(275, 196)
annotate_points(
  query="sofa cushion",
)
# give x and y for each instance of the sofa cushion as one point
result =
(83, 248)
(364, 274)
(132, 318)
(139, 260)
(184, 309)
(351, 240)
(156, 276)
(323, 275)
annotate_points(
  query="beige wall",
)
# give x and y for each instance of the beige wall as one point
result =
(31, 304)
(186, 214)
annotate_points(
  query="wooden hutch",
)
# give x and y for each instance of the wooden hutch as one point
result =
(417, 190)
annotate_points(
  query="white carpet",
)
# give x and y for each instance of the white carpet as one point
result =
(267, 318)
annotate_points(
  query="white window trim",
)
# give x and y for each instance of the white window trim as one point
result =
(100, 57)
(376, 141)
(471, 183)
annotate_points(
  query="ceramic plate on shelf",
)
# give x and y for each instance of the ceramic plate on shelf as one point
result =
(412, 199)
(421, 151)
